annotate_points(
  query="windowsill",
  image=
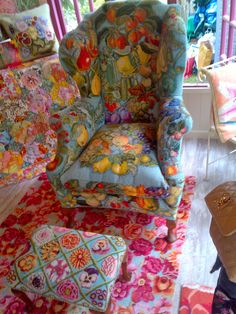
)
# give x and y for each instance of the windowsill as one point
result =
(196, 88)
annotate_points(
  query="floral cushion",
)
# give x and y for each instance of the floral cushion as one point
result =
(123, 158)
(31, 31)
(69, 265)
(223, 88)
(28, 94)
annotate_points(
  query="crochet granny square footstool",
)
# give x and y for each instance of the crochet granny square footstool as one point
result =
(71, 266)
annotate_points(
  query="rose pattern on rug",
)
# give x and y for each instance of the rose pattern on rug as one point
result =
(151, 259)
(196, 299)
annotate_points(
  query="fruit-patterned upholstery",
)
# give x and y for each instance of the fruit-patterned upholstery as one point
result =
(70, 265)
(120, 144)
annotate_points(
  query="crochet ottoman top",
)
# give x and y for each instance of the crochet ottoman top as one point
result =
(70, 265)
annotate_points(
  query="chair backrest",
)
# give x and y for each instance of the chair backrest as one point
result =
(131, 53)
(222, 79)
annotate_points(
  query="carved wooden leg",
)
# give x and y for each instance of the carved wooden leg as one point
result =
(70, 214)
(29, 305)
(171, 225)
(126, 276)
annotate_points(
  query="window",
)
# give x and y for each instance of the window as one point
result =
(210, 27)
(219, 31)
(74, 10)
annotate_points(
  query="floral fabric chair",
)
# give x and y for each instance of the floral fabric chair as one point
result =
(119, 146)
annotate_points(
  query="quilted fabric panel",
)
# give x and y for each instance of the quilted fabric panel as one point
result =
(69, 265)
(120, 154)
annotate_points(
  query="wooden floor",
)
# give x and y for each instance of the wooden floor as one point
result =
(199, 252)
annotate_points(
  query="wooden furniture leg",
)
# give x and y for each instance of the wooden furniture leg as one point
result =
(29, 305)
(171, 225)
(126, 276)
(70, 214)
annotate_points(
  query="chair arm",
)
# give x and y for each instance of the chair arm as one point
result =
(174, 123)
(74, 127)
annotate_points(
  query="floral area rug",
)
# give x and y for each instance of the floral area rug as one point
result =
(152, 261)
(196, 299)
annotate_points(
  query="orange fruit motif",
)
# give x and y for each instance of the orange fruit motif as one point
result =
(111, 15)
(130, 24)
(172, 170)
(69, 43)
(140, 14)
(111, 41)
(121, 42)
(134, 37)
(53, 164)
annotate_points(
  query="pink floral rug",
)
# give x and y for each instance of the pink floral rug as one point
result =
(196, 299)
(152, 261)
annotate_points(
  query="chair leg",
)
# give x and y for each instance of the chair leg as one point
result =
(208, 153)
(70, 214)
(29, 305)
(126, 275)
(171, 225)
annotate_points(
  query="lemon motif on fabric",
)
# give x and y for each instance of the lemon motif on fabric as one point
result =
(83, 136)
(124, 66)
(102, 165)
(96, 85)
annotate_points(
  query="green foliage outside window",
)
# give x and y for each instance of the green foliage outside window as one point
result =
(69, 12)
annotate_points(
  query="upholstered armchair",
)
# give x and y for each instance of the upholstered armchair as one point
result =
(119, 146)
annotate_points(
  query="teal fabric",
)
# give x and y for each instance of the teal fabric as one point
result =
(71, 266)
(147, 175)
(132, 55)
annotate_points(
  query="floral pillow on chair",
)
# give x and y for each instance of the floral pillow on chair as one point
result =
(31, 31)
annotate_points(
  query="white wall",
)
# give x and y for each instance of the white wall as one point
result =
(198, 103)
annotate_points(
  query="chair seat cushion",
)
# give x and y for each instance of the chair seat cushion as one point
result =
(69, 265)
(120, 159)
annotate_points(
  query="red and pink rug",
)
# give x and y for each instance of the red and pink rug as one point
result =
(196, 299)
(152, 261)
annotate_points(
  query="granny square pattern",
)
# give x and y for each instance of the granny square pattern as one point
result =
(69, 265)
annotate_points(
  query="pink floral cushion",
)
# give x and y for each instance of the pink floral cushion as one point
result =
(71, 266)
(223, 86)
